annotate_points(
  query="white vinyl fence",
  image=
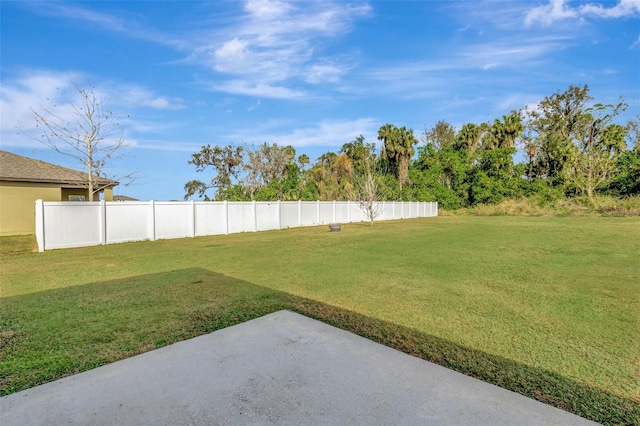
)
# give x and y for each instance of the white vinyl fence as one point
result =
(78, 224)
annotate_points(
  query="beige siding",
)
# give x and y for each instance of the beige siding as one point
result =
(108, 194)
(66, 192)
(17, 205)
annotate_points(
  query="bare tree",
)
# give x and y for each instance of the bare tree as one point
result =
(82, 129)
(368, 194)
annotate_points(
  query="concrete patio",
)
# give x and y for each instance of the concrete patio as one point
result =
(282, 368)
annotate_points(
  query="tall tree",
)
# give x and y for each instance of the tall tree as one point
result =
(266, 164)
(361, 153)
(225, 160)
(85, 131)
(552, 125)
(468, 137)
(599, 143)
(577, 143)
(441, 135)
(398, 149)
(303, 160)
(633, 133)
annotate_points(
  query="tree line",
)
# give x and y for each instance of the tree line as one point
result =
(572, 146)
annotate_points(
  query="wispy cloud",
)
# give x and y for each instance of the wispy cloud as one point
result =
(255, 88)
(272, 49)
(18, 97)
(558, 10)
(136, 97)
(128, 27)
(38, 89)
(427, 78)
(325, 133)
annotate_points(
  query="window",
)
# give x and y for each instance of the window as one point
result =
(76, 198)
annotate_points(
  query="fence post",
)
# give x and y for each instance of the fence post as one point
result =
(40, 225)
(255, 217)
(152, 220)
(299, 212)
(318, 212)
(226, 217)
(279, 215)
(348, 211)
(103, 222)
(193, 219)
(334, 212)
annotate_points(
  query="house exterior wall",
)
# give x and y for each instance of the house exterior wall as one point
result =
(17, 205)
(66, 192)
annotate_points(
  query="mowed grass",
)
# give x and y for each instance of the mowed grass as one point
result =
(547, 307)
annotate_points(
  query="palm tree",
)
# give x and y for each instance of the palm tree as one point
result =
(398, 149)
(469, 137)
(512, 128)
(303, 160)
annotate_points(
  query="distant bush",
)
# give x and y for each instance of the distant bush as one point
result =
(543, 206)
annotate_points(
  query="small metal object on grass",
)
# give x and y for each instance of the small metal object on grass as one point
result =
(335, 227)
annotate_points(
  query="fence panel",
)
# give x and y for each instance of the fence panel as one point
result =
(356, 214)
(342, 212)
(128, 221)
(309, 214)
(289, 214)
(241, 217)
(72, 224)
(173, 219)
(267, 216)
(326, 213)
(211, 218)
(76, 224)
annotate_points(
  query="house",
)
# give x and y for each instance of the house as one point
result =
(23, 180)
(124, 198)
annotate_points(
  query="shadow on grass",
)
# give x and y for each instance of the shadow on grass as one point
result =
(48, 335)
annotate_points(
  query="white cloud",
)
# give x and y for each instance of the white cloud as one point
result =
(325, 133)
(319, 73)
(248, 88)
(558, 10)
(276, 43)
(266, 9)
(547, 14)
(18, 97)
(104, 20)
(625, 8)
(456, 70)
(232, 56)
(39, 89)
(271, 45)
(133, 96)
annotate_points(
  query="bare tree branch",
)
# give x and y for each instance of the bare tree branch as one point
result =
(83, 130)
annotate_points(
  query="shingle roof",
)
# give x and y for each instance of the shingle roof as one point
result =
(17, 168)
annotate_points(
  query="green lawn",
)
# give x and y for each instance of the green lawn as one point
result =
(547, 307)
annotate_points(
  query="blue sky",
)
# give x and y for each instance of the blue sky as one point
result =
(309, 74)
